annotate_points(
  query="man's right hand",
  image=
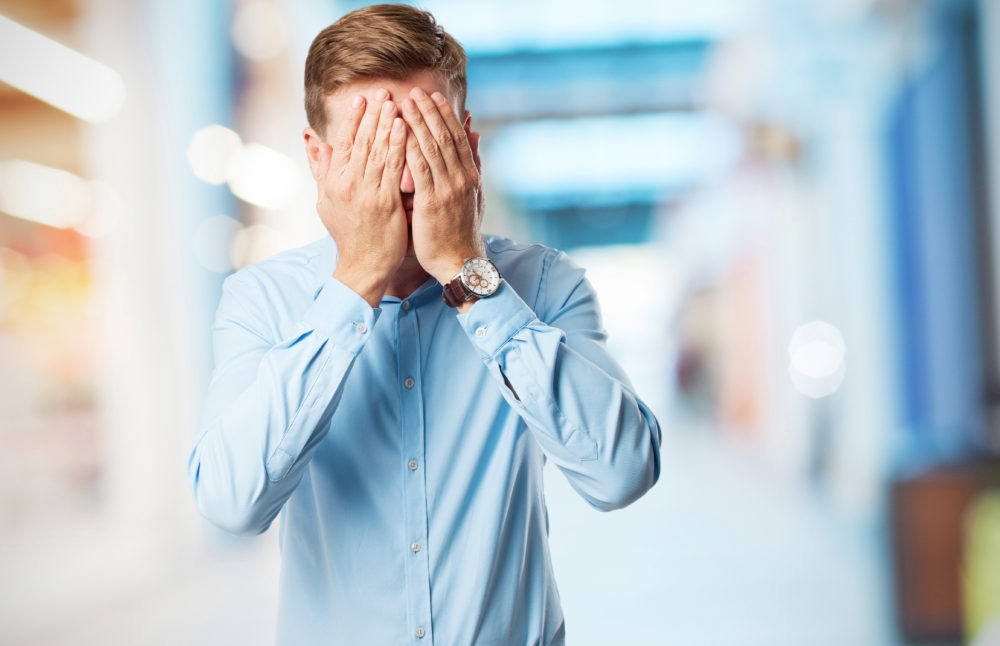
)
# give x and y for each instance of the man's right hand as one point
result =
(359, 200)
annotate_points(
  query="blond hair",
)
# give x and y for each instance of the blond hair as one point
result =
(391, 41)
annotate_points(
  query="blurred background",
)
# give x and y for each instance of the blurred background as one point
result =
(788, 208)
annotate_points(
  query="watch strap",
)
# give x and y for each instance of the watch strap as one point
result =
(454, 292)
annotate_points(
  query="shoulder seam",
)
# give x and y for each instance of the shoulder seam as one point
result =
(543, 276)
(242, 306)
(515, 247)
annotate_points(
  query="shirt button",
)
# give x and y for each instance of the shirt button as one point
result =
(412, 464)
(361, 328)
(409, 382)
(481, 332)
(415, 546)
(419, 632)
(405, 305)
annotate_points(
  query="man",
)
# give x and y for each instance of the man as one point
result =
(395, 388)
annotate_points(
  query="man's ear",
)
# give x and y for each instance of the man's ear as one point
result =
(313, 153)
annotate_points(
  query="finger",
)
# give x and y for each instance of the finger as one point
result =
(376, 159)
(420, 169)
(462, 147)
(343, 140)
(474, 144)
(432, 153)
(396, 156)
(442, 134)
(366, 132)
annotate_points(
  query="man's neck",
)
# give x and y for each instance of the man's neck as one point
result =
(407, 279)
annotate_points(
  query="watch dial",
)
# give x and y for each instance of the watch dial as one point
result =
(481, 276)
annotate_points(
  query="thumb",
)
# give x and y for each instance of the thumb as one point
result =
(325, 153)
(474, 144)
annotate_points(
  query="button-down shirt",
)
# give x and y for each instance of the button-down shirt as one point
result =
(404, 445)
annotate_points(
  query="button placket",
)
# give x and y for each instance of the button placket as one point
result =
(414, 490)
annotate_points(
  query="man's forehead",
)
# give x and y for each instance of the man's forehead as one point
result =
(338, 102)
(398, 89)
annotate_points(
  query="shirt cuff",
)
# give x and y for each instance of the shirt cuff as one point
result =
(341, 315)
(493, 321)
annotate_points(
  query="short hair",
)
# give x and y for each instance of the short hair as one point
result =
(389, 41)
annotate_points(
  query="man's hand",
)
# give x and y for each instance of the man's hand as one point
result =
(359, 201)
(447, 201)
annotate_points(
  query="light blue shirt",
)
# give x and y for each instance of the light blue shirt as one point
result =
(407, 472)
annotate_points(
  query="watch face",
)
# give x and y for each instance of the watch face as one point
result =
(480, 275)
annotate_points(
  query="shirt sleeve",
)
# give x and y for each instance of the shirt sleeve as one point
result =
(572, 395)
(270, 400)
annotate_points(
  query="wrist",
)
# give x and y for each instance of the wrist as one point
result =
(478, 278)
(369, 286)
(444, 271)
(447, 267)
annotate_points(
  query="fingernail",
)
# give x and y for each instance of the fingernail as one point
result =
(358, 100)
(388, 108)
(418, 94)
(397, 125)
(382, 94)
(439, 98)
(409, 105)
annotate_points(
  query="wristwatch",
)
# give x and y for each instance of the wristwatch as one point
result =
(479, 278)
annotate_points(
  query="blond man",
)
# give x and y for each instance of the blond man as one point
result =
(395, 388)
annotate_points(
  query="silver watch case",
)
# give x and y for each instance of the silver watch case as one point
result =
(480, 277)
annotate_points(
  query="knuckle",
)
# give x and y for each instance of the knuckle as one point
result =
(433, 152)
(363, 142)
(342, 144)
(386, 201)
(394, 162)
(444, 139)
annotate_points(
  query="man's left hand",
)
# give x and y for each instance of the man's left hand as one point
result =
(447, 200)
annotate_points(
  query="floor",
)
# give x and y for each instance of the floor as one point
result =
(719, 553)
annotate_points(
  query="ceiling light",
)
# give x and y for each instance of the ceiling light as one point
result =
(58, 75)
